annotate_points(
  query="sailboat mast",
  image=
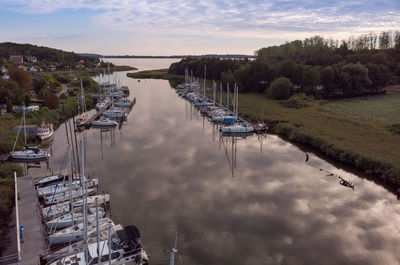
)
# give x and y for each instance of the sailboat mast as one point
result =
(237, 100)
(97, 232)
(109, 245)
(108, 66)
(82, 97)
(204, 85)
(71, 206)
(214, 87)
(220, 94)
(227, 95)
(24, 126)
(84, 203)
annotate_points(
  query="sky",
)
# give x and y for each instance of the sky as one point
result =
(176, 27)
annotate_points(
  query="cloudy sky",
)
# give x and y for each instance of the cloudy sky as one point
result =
(168, 27)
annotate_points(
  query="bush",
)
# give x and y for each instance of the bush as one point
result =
(394, 128)
(281, 88)
(294, 103)
(7, 170)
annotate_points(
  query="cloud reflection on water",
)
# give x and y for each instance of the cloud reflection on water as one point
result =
(165, 175)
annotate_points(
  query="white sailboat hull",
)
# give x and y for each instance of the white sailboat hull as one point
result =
(55, 211)
(237, 129)
(75, 233)
(54, 189)
(29, 155)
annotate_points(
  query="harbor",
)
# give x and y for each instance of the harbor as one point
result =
(171, 172)
(63, 218)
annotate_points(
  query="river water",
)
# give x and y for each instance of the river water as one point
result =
(232, 201)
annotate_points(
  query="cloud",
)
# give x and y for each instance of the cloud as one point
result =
(260, 19)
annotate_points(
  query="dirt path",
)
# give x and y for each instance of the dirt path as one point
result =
(64, 89)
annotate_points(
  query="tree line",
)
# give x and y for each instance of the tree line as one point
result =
(44, 54)
(316, 66)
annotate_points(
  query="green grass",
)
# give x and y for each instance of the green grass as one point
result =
(7, 196)
(155, 74)
(380, 108)
(353, 131)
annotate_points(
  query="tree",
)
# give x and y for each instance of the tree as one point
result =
(327, 76)
(9, 106)
(289, 69)
(280, 88)
(354, 79)
(51, 101)
(22, 77)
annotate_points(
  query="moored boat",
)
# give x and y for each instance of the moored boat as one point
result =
(45, 131)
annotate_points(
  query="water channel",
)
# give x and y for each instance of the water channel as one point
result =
(232, 201)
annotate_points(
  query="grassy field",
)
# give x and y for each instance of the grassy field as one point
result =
(354, 131)
(384, 109)
(155, 74)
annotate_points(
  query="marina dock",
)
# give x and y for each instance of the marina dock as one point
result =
(33, 241)
(96, 115)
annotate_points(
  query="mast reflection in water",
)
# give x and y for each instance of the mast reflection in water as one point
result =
(232, 200)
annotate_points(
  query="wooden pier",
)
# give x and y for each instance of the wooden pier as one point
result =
(96, 115)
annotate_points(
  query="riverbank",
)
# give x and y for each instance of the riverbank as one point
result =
(156, 74)
(354, 131)
(101, 70)
(361, 132)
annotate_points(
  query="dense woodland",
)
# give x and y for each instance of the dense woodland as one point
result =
(316, 66)
(44, 55)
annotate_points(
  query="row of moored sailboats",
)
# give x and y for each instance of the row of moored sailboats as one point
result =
(217, 112)
(77, 225)
(113, 106)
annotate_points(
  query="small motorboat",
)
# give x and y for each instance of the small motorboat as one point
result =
(45, 131)
(81, 121)
(346, 183)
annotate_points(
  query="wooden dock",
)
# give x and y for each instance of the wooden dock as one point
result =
(33, 243)
(96, 115)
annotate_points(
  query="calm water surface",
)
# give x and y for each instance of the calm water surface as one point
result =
(232, 201)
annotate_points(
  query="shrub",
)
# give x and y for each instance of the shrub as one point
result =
(294, 103)
(7, 170)
(394, 128)
(281, 88)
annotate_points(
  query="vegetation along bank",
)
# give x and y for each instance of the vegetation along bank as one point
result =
(321, 93)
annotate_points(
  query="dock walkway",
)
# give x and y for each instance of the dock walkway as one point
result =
(97, 115)
(33, 243)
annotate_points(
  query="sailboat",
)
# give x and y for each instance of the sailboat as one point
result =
(28, 153)
(82, 119)
(237, 127)
(104, 122)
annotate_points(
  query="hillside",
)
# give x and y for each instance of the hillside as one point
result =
(43, 54)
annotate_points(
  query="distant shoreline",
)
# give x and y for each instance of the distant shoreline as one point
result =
(226, 56)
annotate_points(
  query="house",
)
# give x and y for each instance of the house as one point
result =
(17, 58)
(33, 69)
(4, 73)
(52, 68)
(31, 59)
(22, 67)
